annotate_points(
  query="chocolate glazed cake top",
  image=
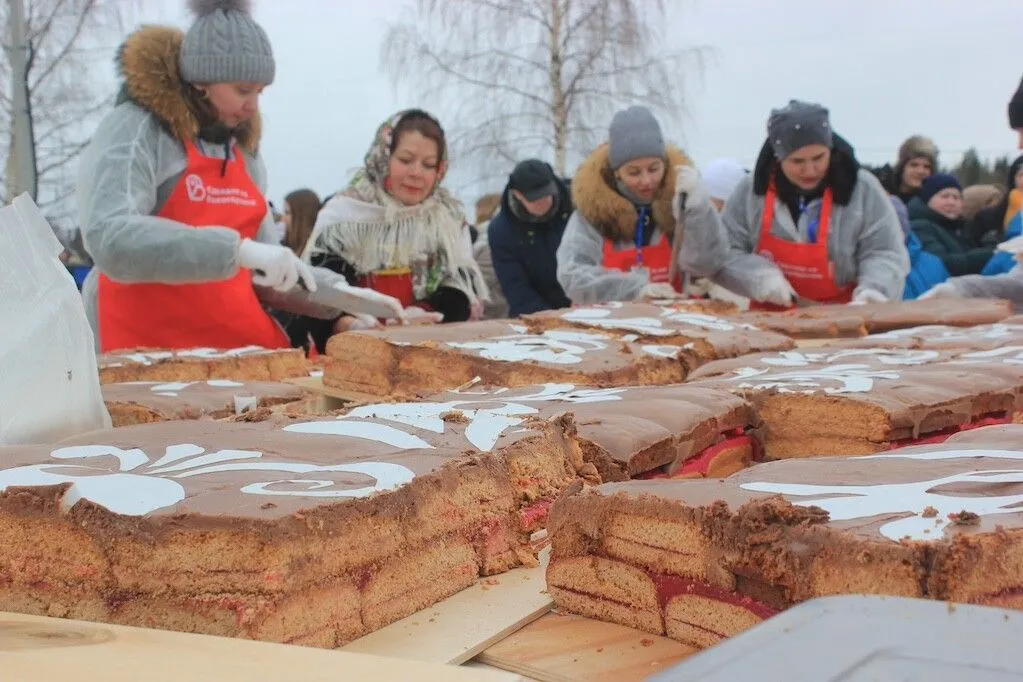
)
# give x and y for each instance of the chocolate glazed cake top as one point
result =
(621, 421)
(908, 385)
(973, 483)
(501, 341)
(943, 337)
(153, 356)
(720, 336)
(223, 473)
(841, 320)
(200, 396)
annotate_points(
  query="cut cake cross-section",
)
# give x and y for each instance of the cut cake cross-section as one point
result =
(703, 560)
(144, 402)
(865, 400)
(251, 363)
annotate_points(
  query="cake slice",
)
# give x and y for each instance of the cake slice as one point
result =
(943, 337)
(830, 321)
(862, 401)
(251, 363)
(620, 433)
(409, 362)
(311, 531)
(698, 332)
(144, 402)
(703, 560)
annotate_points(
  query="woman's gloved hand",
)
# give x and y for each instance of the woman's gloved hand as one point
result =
(273, 266)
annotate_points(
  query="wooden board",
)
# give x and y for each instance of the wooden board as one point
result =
(463, 625)
(35, 649)
(565, 648)
(333, 398)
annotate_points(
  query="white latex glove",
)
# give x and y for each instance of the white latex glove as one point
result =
(776, 290)
(416, 315)
(943, 290)
(687, 181)
(867, 295)
(273, 266)
(658, 290)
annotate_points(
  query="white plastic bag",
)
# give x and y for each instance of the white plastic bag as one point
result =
(49, 384)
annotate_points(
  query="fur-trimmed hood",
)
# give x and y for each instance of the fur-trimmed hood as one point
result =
(148, 64)
(611, 214)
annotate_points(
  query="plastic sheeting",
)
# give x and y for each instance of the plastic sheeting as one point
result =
(49, 383)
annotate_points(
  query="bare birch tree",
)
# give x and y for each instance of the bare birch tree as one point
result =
(520, 78)
(51, 99)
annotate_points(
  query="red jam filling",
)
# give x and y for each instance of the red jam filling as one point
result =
(699, 466)
(670, 586)
(941, 436)
(535, 514)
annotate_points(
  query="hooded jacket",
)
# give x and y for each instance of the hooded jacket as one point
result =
(947, 239)
(865, 242)
(602, 213)
(524, 254)
(132, 165)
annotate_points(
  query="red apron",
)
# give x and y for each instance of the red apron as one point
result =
(807, 267)
(221, 314)
(656, 259)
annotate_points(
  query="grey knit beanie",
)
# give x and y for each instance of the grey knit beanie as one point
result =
(634, 134)
(225, 45)
(797, 125)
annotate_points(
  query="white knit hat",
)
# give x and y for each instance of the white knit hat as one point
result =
(721, 177)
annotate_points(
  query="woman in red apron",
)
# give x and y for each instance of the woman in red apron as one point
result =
(812, 186)
(172, 193)
(618, 245)
(396, 230)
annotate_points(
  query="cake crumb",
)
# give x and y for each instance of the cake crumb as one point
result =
(929, 512)
(491, 581)
(626, 349)
(951, 607)
(965, 518)
(600, 650)
(646, 642)
(454, 417)
(268, 505)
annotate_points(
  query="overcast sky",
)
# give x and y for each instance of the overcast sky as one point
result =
(886, 69)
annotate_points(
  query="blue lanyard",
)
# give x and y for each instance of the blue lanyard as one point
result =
(640, 230)
(811, 229)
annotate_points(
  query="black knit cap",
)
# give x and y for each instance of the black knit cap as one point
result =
(534, 178)
(1016, 108)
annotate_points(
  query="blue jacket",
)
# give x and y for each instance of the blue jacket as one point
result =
(1002, 262)
(524, 255)
(925, 269)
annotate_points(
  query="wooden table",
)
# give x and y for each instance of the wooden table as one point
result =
(36, 649)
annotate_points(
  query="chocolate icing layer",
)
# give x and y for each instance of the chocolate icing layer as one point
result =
(916, 391)
(905, 494)
(166, 401)
(831, 321)
(628, 430)
(943, 337)
(413, 361)
(706, 334)
(218, 472)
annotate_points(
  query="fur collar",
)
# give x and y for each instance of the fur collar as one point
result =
(148, 65)
(611, 214)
